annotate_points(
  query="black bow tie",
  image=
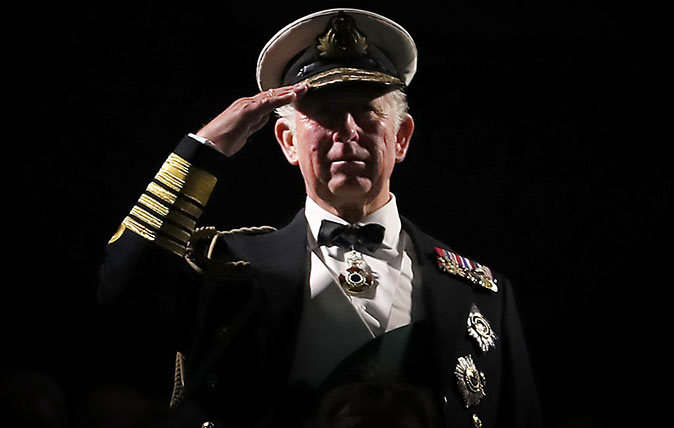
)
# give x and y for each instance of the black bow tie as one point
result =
(351, 236)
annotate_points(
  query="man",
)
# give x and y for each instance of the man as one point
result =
(286, 322)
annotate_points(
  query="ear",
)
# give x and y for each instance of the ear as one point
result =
(286, 140)
(404, 136)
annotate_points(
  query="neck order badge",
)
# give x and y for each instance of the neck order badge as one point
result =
(358, 276)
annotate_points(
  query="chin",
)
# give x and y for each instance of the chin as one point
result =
(355, 187)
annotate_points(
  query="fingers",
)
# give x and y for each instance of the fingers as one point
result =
(231, 128)
(277, 97)
(271, 99)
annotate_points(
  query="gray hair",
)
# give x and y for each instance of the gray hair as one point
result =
(397, 101)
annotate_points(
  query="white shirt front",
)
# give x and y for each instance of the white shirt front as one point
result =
(335, 323)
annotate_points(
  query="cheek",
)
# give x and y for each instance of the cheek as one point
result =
(387, 151)
(312, 150)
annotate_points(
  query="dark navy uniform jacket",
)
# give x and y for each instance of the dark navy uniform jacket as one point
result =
(230, 308)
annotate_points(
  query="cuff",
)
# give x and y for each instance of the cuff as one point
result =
(168, 210)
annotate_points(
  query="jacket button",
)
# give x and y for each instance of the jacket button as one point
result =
(476, 421)
(221, 332)
(212, 381)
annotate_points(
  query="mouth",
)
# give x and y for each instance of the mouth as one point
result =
(348, 161)
(348, 166)
(352, 158)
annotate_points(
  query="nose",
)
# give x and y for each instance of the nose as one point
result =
(347, 129)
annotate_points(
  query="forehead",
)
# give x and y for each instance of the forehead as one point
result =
(343, 95)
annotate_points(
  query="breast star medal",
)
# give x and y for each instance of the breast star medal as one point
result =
(358, 276)
(470, 381)
(473, 271)
(480, 330)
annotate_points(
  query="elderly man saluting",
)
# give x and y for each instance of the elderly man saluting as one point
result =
(349, 315)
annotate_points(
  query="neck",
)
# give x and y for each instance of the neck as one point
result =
(353, 211)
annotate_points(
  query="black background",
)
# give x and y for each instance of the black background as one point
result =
(538, 151)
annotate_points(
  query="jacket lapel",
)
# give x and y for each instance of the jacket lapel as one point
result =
(279, 271)
(446, 302)
(279, 260)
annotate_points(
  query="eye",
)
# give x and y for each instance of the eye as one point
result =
(370, 111)
(323, 111)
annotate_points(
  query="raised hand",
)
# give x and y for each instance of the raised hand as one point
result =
(230, 130)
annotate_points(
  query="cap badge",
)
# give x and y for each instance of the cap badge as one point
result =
(358, 276)
(456, 264)
(480, 330)
(342, 39)
(471, 382)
